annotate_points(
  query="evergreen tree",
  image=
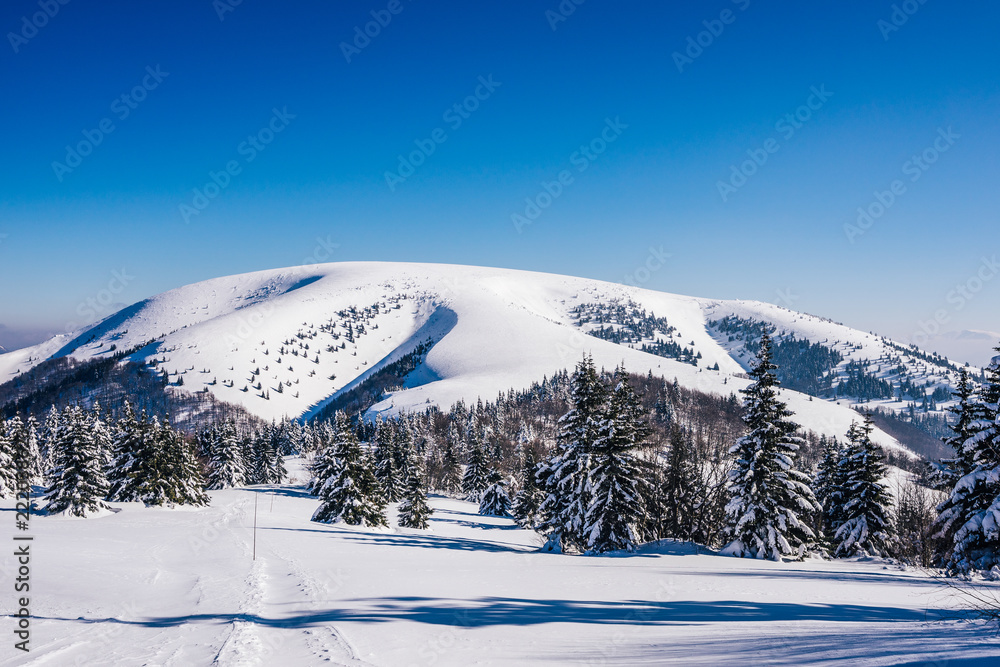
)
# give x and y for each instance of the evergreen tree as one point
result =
(495, 501)
(128, 454)
(952, 470)
(387, 472)
(682, 487)
(77, 482)
(528, 499)
(226, 467)
(971, 513)
(27, 461)
(867, 528)
(474, 480)
(8, 468)
(616, 509)
(563, 476)
(770, 501)
(351, 494)
(183, 480)
(828, 488)
(451, 473)
(414, 510)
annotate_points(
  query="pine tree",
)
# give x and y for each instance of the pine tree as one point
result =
(226, 467)
(563, 476)
(770, 501)
(616, 509)
(351, 494)
(8, 468)
(128, 452)
(971, 513)
(528, 499)
(451, 473)
(78, 485)
(954, 469)
(24, 449)
(867, 528)
(474, 480)
(183, 480)
(387, 472)
(495, 501)
(414, 510)
(681, 488)
(828, 487)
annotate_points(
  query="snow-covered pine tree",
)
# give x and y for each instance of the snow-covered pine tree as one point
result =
(183, 481)
(952, 470)
(414, 510)
(388, 474)
(325, 464)
(474, 480)
(8, 470)
(866, 529)
(827, 487)
(226, 467)
(351, 494)
(770, 504)
(682, 487)
(127, 452)
(495, 501)
(451, 472)
(24, 449)
(77, 482)
(616, 476)
(971, 513)
(528, 499)
(563, 476)
(47, 437)
(276, 470)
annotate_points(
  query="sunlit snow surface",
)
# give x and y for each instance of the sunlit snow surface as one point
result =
(179, 587)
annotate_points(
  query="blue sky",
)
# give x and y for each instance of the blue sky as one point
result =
(324, 124)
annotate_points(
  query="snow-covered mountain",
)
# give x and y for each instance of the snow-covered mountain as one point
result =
(284, 342)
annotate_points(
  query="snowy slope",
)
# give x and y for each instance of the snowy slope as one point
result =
(148, 586)
(277, 342)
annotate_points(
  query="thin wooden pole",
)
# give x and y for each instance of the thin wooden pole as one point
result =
(272, 501)
(255, 526)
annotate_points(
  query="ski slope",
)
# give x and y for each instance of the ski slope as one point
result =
(284, 342)
(146, 586)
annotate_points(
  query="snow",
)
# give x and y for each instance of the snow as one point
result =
(180, 587)
(493, 330)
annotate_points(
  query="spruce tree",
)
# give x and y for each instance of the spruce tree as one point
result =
(387, 472)
(451, 473)
(24, 449)
(616, 509)
(866, 529)
(962, 464)
(971, 513)
(682, 487)
(226, 467)
(351, 494)
(495, 501)
(474, 480)
(127, 451)
(183, 480)
(563, 476)
(414, 510)
(8, 468)
(770, 504)
(828, 487)
(528, 499)
(77, 482)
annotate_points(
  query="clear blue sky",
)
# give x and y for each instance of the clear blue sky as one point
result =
(63, 233)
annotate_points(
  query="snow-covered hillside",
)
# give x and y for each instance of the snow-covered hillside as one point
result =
(283, 342)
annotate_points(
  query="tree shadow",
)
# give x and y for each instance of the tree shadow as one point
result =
(413, 540)
(499, 611)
